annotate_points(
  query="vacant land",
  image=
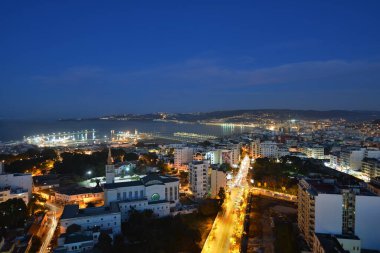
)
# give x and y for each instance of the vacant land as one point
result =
(273, 226)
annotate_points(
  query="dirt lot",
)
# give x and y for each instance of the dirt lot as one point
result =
(273, 227)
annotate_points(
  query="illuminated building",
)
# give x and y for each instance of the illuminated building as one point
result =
(153, 192)
(183, 156)
(218, 179)
(17, 185)
(105, 217)
(198, 175)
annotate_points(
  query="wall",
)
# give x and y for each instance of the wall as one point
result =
(328, 213)
(367, 221)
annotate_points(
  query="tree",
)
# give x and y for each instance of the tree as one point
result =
(35, 204)
(226, 167)
(49, 154)
(221, 195)
(118, 245)
(131, 157)
(104, 243)
(73, 228)
(13, 213)
(36, 244)
(208, 207)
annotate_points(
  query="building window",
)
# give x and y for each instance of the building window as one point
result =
(136, 194)
(141, 194)
(130, 195)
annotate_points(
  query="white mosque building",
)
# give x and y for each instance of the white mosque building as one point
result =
(155, 192)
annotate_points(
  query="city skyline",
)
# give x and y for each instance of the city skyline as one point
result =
(83, 60)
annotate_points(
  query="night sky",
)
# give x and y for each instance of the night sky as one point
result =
(90, 58)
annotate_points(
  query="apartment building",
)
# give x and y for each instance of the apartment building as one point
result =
(371, 167)
(316, 152)
(218, 179)
(17, 185)
(198, 177)
(326, 207)
(105, 217)
(183, 156)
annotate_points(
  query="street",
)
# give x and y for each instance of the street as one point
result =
(228, 225)
(49, 230)
(273, 194)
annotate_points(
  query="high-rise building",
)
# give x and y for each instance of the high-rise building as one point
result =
(183, 156)
(316, 152)
(218, 179)
(268, 149)
(198, 177)
(264, 149)
(255, 148)
(371, 167)
(352, 158)
(329, 208)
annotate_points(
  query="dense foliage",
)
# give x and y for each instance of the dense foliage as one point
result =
(29, 161)
(169, 234)
(13, 213)
(79, 164)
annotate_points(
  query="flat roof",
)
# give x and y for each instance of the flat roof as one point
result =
(73, 211)
(152, 177)
(329, 243)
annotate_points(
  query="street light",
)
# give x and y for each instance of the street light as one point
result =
(89, 172)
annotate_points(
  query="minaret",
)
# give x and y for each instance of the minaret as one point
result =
(110, 169)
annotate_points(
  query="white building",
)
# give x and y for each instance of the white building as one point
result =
(218, 180)
(17, 185)
(316, 152)
(9, 193)
(255, 148)
(183, 156)
(198, 177)
(82, 241)
(283, 151)
(352, 158)
(372, 153)
(214, 156)
(325, 207)
(153, 192)
(229, 155)
(235, 154)
(268, 149)
(105, 217)
(80, 196)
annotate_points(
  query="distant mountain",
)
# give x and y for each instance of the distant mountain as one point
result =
(284, 114)
(250, 115)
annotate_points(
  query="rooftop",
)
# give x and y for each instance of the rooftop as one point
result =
(152, 178)
(79, 190)
(329, 243)
(77, 237)
(73, 211)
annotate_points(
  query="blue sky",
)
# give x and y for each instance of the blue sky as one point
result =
(89, 58)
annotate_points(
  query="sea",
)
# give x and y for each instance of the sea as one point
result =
(16, 130)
